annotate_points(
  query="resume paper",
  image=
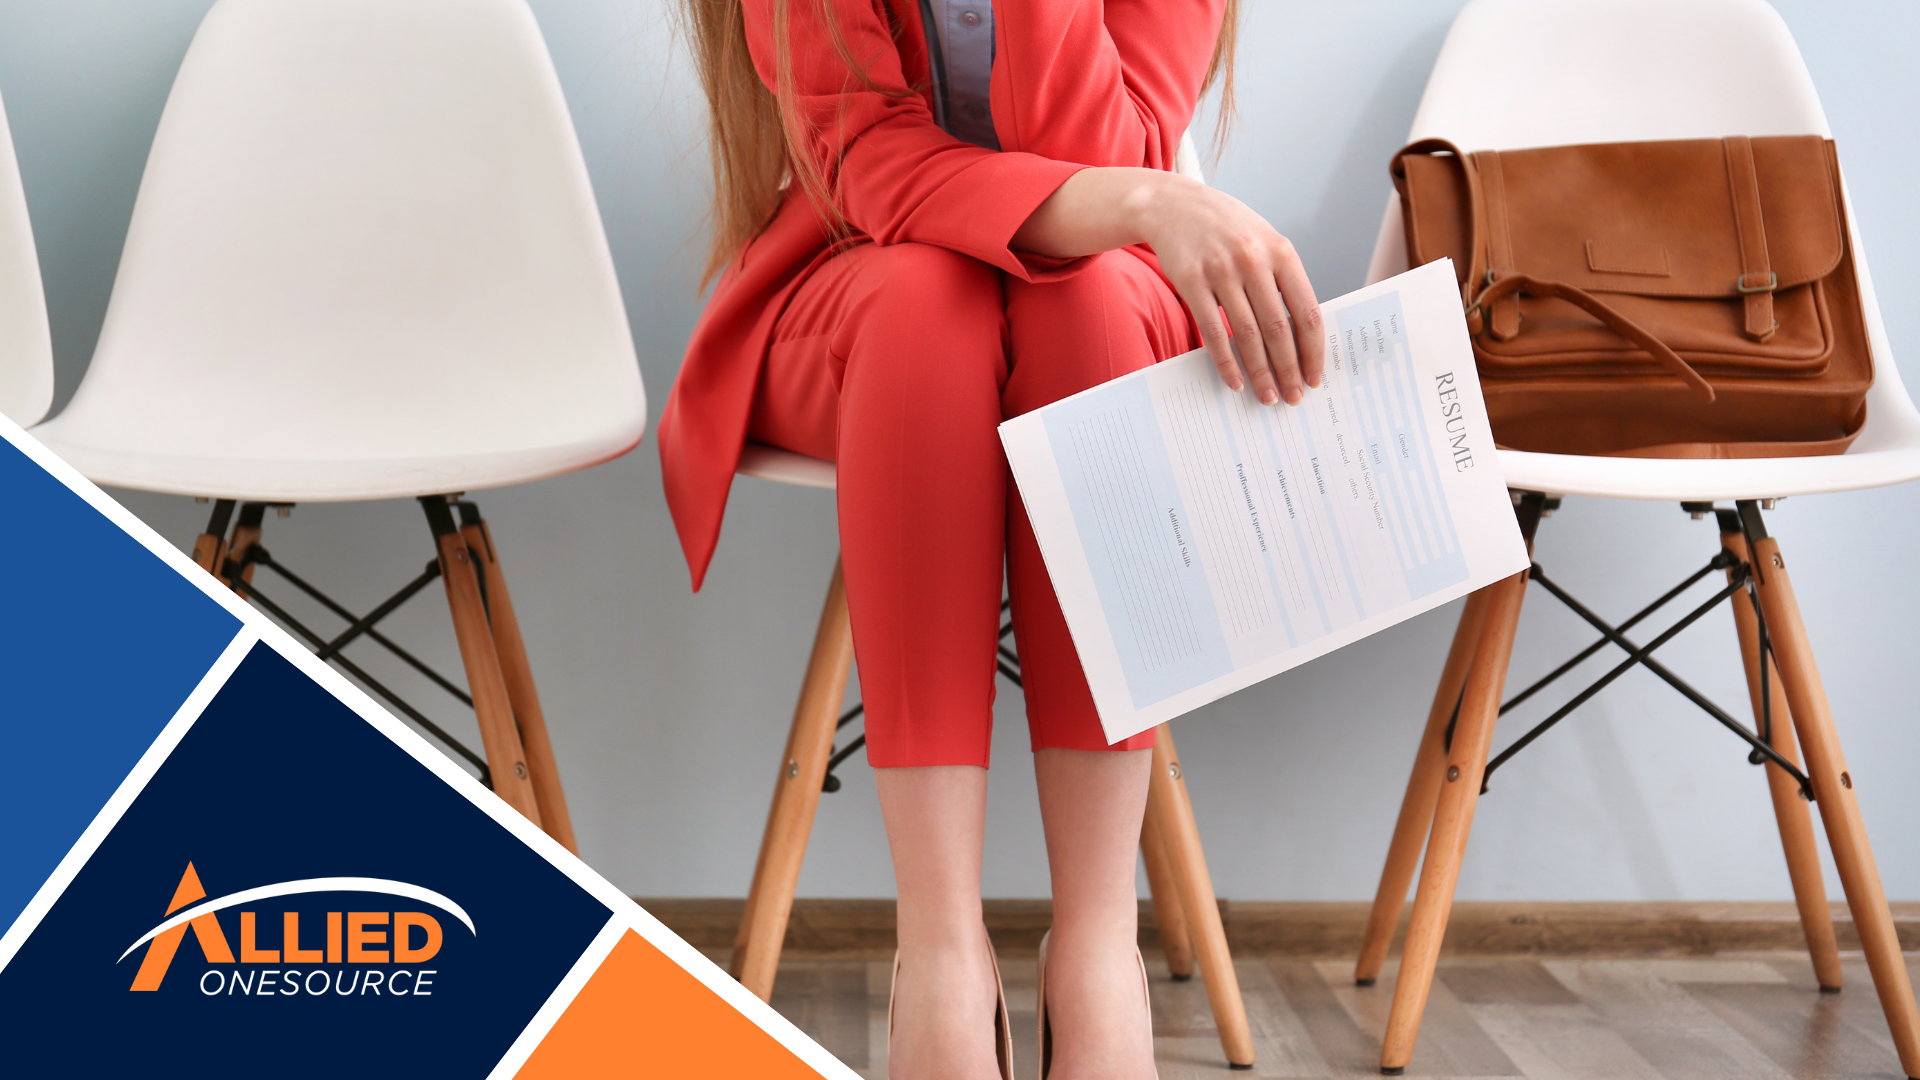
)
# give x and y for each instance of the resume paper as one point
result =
(1201, 542)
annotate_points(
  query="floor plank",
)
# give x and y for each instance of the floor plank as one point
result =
(1449, 1042)
(829, 1001)
(1675, 1033)
(1750, 1016)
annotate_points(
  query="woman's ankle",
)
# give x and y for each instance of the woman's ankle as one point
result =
(948, 928)
(945, 1001)
(1097, 1008)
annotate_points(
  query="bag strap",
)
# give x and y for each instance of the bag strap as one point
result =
(1502, 316)
(1485, 286)
(1476, 212)
(1513, 284)
(1757, 279)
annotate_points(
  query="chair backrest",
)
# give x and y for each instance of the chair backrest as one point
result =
(365, 232)
(1524, 73)
(26, 350)
(1517, 73)
(1186, 160)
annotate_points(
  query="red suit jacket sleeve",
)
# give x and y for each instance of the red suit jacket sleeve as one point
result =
(1075, 83)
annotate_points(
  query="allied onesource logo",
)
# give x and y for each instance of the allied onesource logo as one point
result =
(356, 953)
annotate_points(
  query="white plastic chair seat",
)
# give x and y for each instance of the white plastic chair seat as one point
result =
(764, 462)
(365, 262)
(26, 349)
(1520, 73)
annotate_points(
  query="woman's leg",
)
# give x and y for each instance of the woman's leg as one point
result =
(1114, 317)
(944, 999)
(891, 360)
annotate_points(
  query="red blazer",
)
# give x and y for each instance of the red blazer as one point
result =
(1076, 83)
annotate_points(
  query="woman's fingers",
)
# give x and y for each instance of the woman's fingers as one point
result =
(1246, 335)
(1213, 332)
(1276, 330)
(1309, 333)
(1234, 272)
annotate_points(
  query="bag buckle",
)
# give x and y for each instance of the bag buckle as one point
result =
(1773, 283)
(1492, 275)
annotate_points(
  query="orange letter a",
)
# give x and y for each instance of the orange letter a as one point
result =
(205, 929)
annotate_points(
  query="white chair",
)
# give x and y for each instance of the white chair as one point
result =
(26, 350)
(1516, 73)
(366, 263)
(1185, 910)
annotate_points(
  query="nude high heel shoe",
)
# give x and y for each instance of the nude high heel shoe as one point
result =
(1040, 995)
(1002, 1026)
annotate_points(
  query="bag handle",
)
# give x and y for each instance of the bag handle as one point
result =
(1599, 309)
(1484, 284)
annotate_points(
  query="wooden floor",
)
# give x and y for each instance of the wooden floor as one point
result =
(1751, 1017)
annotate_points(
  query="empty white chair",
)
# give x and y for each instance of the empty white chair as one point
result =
(26, 350)
(1518, 73)
(366, 263)
(1185, 910)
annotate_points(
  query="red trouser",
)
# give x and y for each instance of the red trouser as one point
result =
(898, 363)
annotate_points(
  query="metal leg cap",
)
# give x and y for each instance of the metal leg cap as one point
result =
(1364, 982)
(1394, 1070)
(1188, 977)
(1829, 989)
(1237, 1066)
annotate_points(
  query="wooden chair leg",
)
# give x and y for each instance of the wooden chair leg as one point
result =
(521, 694)
(1790, 811)
(796, 794)
(246, 533)
(1453, 817)
(1168, 805)
(1168, 917)
(1834, 789)
(1423, 791)
(492, 707)
(210, 548)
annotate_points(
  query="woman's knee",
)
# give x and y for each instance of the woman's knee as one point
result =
(1114, 316)
(924, 288)
(929, 317)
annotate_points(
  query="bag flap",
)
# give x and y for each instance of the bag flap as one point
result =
(1648, 218)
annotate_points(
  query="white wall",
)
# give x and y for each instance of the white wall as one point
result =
(669, 709)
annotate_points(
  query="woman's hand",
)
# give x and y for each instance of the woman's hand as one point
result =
(1220, 256)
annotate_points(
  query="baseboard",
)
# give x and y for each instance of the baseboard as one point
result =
(825, 928)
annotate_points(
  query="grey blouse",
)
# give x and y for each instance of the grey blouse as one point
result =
(960, 43)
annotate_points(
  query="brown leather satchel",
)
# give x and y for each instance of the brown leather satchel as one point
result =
(1692, 298)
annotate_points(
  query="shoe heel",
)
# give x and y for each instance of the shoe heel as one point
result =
(1002, 1025)
(1040, 1007)
(892, 989)
(1146, 989)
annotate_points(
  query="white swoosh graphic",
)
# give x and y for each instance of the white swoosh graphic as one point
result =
(308, 885)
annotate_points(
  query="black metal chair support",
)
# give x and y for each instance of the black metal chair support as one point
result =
(1740, 581)
(329, 649)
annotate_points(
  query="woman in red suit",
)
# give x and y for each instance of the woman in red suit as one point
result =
(930, 216)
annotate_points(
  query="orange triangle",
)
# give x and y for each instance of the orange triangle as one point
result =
(641, 1014)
